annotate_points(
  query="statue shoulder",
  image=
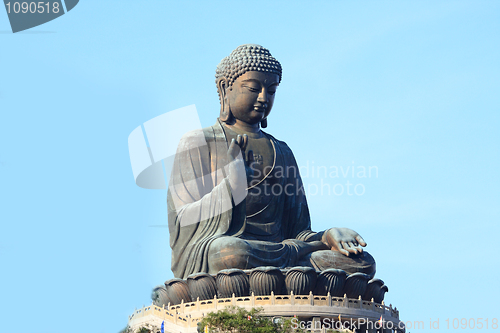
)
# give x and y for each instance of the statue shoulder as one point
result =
(191, 139)
(200, 137)
(281, 144)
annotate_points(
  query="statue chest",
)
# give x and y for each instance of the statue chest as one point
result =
(265, 190)
(264, 159)
(264, 186)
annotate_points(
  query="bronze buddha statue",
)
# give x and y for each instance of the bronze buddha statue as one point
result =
(236, 199)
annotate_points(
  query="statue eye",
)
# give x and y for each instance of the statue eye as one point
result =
(253, 89)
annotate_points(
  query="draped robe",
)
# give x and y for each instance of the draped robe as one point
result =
(212, 229)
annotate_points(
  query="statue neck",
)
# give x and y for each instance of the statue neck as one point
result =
(241, 131)
(240, 126)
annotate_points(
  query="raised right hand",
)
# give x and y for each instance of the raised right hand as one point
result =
(239, 169)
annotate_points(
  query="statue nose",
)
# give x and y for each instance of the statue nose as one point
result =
(263, 97)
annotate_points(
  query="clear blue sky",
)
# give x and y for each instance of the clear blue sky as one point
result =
(409, 87)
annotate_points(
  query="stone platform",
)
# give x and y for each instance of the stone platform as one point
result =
(184, 317)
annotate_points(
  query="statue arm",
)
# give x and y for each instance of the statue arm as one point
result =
(200, 204)
(297, 211)
(197, 191)
(343, 240)
(309, 236)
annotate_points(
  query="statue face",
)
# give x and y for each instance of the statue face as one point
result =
(252, 95)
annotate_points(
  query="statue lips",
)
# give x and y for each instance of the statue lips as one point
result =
(260, 109)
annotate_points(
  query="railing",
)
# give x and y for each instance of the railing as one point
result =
(180, 314)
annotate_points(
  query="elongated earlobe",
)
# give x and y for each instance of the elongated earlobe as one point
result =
(263, 123)
(225, 109)
(225, 114)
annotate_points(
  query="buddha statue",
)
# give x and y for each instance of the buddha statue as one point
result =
(236, 199)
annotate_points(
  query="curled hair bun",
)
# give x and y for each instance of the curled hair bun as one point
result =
(247, 57)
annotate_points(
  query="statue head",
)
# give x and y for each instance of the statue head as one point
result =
(249, 75)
